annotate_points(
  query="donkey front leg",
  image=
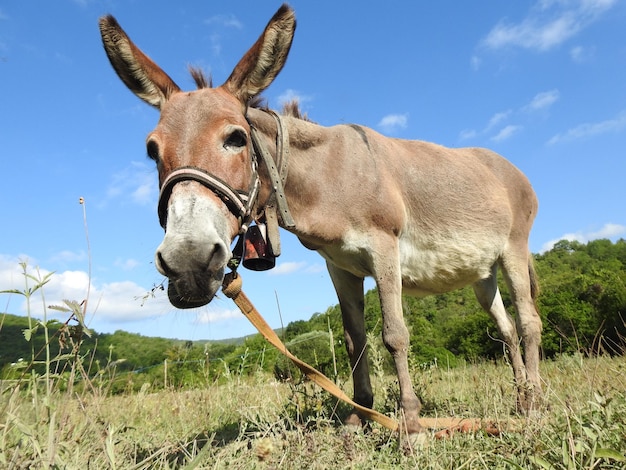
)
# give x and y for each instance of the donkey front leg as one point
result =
(350, 293)
(396, 335)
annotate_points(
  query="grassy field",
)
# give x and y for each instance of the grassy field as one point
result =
(255, 422)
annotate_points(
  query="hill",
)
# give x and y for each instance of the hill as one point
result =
(583, 303)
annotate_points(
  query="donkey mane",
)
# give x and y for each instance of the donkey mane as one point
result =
(200, 78)
(291, 108)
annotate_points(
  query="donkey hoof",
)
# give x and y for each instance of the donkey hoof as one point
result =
(411, 443)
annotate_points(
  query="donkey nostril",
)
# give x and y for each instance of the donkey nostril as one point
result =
(217, 257)
(162, 266)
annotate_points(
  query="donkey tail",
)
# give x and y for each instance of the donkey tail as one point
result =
(534, 281)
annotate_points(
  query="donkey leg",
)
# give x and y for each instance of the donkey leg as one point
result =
(520, 276)
(350, 293)
(395, 333)
(489, 297)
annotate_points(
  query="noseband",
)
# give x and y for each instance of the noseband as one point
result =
(240, 203)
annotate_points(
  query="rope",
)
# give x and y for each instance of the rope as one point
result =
(232, 288)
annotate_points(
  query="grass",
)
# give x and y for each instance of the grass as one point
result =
(64, 418)
(255, 422)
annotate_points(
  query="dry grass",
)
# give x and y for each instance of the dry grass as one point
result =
(65, 419)
(254, 422)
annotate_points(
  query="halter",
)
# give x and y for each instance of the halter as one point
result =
(240, 203)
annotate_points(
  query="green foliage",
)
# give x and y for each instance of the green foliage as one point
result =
(582, 304)
(314, 348)
(583, 300)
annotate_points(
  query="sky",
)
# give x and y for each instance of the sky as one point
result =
(541, 82)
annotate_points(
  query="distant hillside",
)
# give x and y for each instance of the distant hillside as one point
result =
(582, 305)
(137, 350)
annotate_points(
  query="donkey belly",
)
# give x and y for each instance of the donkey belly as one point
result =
(437, 265)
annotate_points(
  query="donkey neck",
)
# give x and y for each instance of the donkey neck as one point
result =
(320, 187)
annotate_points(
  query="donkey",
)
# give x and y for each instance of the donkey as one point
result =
(417, 217)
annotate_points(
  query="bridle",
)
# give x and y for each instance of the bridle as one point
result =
(240, 203)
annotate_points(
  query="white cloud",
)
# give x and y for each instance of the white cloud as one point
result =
(548, 24)
(609, 230)
(293, 95)
(496, 119)
(137, 182)
(540, 101)
(475, 62)
(116, 302)
(227, 21)
(213, 315)
(506, 133)
(581, 55)
(543, 100)
(393, 122)
(315, 268)
(126, 264)
(467, 134)
(288, 268)
(582, 131)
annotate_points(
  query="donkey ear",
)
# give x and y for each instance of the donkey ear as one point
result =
(265, 59)
(140, 74)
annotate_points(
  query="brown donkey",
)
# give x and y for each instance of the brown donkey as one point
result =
(417, 217)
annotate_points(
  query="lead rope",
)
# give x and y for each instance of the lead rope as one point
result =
(231, 287)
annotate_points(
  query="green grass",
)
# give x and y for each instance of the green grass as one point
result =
(65, 417)
(255, 422)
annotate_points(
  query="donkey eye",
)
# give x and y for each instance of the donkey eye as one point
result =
(236, 139)
(153, 150)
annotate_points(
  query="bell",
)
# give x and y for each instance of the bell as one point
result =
(258, 254)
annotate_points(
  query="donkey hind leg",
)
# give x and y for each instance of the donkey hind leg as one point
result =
(490, 300)
(519, 274)
(350, 293)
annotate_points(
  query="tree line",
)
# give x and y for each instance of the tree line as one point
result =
(582, 305)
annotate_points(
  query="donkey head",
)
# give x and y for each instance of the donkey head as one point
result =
(203, 132)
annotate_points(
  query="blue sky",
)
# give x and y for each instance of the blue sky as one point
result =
(541, 82)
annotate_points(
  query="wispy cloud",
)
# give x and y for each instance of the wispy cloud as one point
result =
(226, 21)
(498, 122)
(126, 264)
(218, 24)
(506, 132)
(542, 101)
(548, 24)
(288, 267)
(609, 230)
(137, 182)
(497, 119)
(475, 62)
(586, 130)
(393, 123)
(293, 95)
(581, 55)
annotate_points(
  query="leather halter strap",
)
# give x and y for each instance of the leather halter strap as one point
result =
(277, 170)
(238, 202)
